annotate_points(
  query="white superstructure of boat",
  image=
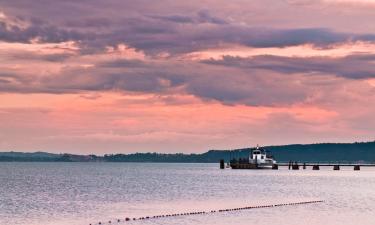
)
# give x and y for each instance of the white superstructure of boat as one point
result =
(260, 158)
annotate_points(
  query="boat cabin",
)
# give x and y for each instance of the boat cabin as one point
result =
(260, 156)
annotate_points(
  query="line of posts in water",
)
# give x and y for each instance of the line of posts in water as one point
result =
(296, 166)
(128, 219)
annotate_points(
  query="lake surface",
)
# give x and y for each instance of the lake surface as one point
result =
(84, 193)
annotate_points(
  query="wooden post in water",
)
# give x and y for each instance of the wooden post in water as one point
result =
(336, 167)
(295, 166)
(315, 167)
(357, 167)
(304, 166)
(222, 164)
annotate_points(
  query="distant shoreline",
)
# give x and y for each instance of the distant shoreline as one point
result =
(326, 152)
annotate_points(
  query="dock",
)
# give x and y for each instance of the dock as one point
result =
(317, 165)
(259, 158)
(331, 164)
(296, 165)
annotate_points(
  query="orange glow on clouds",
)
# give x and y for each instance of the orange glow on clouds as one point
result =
(294, 51)
(139, 78)
(351, 1)
(146, 118)
(124, 51)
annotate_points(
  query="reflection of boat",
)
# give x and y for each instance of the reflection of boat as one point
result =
(258, 159)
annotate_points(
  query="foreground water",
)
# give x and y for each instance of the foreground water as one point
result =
(83, 193)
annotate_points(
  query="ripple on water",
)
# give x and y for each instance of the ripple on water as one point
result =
(83, 193)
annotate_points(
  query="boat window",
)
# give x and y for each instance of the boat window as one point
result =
(262, 157)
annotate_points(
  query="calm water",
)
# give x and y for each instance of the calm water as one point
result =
(83, 193)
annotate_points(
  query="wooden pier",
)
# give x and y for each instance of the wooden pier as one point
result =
(316, 166)
(331, 164)
(296, 165)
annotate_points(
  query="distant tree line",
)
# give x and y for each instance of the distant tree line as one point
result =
(325, 152)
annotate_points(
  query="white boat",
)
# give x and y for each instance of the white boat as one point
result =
(260, 158)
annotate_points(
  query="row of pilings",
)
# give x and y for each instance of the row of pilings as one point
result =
(128, 219)
(296, 166)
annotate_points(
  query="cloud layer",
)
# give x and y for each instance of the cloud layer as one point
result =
(127, 76)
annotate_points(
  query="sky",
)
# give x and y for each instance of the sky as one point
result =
(120, 76)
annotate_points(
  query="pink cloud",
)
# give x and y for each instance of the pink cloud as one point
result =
(124, 76)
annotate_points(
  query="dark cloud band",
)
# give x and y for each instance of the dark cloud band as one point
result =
(353, 66)
(174, 34)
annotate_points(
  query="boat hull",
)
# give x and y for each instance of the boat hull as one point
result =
(251, 166)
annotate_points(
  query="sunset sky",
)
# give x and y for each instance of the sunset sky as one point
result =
(111, 76)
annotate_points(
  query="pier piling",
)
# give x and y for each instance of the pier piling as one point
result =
(295, 166)
(336, 167)
(357, 167)
(222, 164)
(316, 167)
